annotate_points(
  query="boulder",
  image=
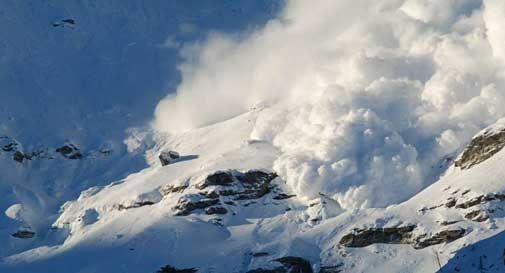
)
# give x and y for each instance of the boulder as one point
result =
(168, 157)
(24, 234)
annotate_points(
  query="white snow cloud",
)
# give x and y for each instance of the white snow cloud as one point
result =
(361, 97)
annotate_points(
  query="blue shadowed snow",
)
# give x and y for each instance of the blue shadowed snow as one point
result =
(87, 85)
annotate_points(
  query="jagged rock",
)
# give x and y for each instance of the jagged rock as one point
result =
(255, 177)
(481, 148)
(481, 200)
(230, 186)
(166, 190)
(215, 210)
(451, 203)
(24, 234)
(477, 216)
(135, 205)
(170, 269)
(210, 194)
(366, 237)
(168, 157)
(217, 179)
(69, 151)
(399, 235)
(445, 236)
(255, 184)
(289, 265)
(18, 156)
(186, 206)
(10, 147)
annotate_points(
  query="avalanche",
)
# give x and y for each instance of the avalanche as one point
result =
(362, 136)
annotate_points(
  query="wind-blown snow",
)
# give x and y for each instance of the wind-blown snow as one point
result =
(361, 97)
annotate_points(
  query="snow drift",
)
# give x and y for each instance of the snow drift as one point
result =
(362, 97)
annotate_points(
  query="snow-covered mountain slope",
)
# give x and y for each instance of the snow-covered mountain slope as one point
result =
(71, 96)
(323, 140)
(220, 208)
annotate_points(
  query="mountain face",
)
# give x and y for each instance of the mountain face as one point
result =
(76, 79)
(220, 207)
(342, 136)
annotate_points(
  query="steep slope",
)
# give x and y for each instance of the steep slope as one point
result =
(220, 208)
(72, 95)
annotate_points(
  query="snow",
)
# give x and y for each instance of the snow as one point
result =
(378, 93)
(94, 86)
(358, 107)
(147, 237)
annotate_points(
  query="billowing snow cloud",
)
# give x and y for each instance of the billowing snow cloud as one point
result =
(362, 97)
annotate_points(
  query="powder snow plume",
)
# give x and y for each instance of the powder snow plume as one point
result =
(362, 98)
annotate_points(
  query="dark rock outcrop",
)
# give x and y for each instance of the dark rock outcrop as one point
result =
(477, 216)
(481, 148)
(482, 199)
(69, 151)
(166, 190)
(445, 236)
(228, 187)
(366, 237)
(168, 157)
(135, 205)
(399, 235)
(18, 156)
(186, 206)
(288, 265)
(217, 179)
(215, 210)
(24, 234)
(283, 196)
(170, 269)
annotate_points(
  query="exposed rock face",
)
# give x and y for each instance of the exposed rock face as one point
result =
(69, 151)
(248, 185)
(135, 205)
(187, 205)
(18, 156)
(24, 234)
(170, 269)
(168, 189)
(366, 237)
(217, 179)
(482, 199)
(289, 265)
(168, 157)
(216, 210)
(481, 148)
(445, 236)
(477, 209)
(225, 187)
(399, 235)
